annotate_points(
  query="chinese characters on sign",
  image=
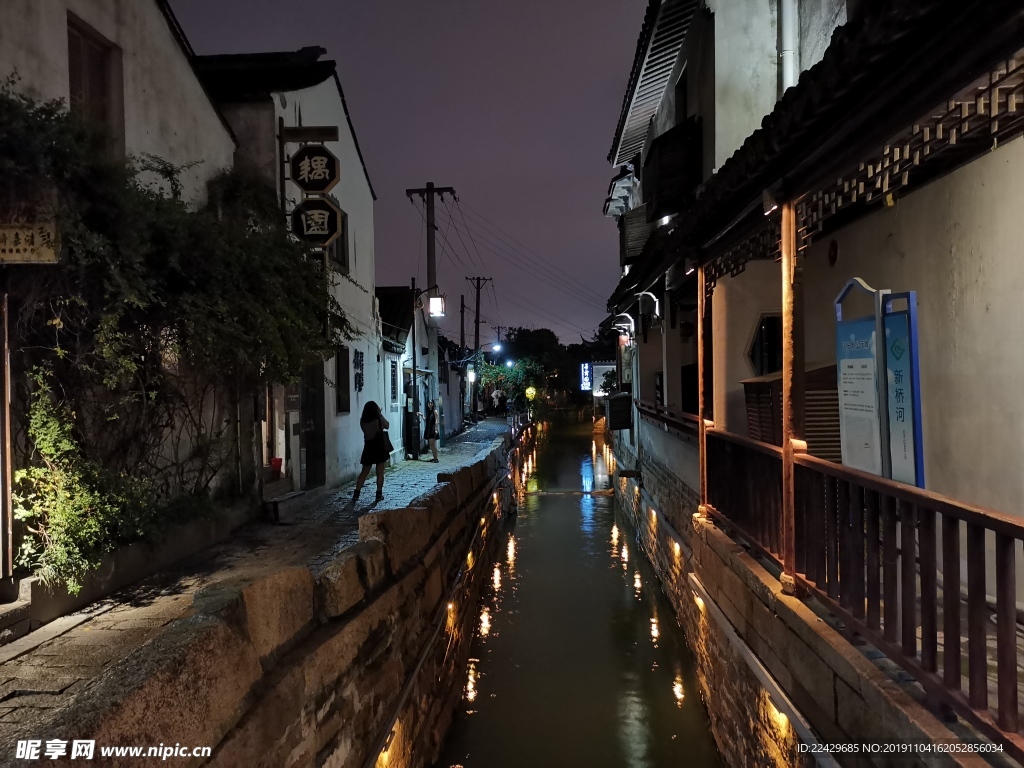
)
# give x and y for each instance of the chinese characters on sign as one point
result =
(858, 395)
(314, 169)
(317, 221)
(904, 408)
(359, 366)
(29, 243)
(586, 377)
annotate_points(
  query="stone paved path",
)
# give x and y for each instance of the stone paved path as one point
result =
(46, 667)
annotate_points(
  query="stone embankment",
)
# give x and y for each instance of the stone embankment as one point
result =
(774, 673)
(357, 661)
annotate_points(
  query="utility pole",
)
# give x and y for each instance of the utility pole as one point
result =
(498, 329)
(427, 194)
(414, 424)
(462, 353)
(478, 283)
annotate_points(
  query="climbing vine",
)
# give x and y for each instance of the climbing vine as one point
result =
(132, 355)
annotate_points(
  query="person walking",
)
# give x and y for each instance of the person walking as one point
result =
(376, 447)
(430, 429)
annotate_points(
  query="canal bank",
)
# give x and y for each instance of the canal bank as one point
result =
(284, 656)
(577, 659)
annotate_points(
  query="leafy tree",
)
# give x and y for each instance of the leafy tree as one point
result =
(133, 354)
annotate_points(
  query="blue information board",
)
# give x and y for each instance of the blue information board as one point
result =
(903, 380)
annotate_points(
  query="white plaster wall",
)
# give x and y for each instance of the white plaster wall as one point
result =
(818, 19)
(322, 105)
(166, 111)
(737, 305)
(745, 70)
(957, 242)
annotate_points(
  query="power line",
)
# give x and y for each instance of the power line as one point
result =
(571, 289)
(499, 232)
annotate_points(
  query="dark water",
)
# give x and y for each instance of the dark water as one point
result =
(578, 660)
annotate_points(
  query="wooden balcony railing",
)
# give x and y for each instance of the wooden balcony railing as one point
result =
(891, 561)
(674, 422)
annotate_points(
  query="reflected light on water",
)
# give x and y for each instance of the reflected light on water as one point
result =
(496, 579)
(615, 535)
(485, 622)
(471, 681)
(655, 632)
(510, 552)
(677, 690)
(637, 584)
(625, 556)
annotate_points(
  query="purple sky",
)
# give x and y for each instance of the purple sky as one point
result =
(512, 103)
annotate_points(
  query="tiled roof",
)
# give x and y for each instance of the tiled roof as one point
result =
(395, 308)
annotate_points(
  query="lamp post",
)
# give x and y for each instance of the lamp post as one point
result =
(436, 309)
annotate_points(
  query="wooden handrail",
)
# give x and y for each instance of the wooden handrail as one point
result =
(746, 442)
(686, 422)
(969, 513)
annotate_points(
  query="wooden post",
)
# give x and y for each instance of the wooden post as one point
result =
(701, 394)
(792, 388)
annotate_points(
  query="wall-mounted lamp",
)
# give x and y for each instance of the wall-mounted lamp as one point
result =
(471, 376)
(770, 203)
(436, 306)
(632, 325)
(657, 304)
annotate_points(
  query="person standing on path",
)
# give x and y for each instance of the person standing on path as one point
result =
(376, 447)
(430, 429)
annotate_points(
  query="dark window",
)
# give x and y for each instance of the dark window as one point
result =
(766, 348)
(93, 93)
(342, 382)
(394, 381)
(337, 252)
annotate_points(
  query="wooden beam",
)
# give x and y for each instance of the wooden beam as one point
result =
(792, 387)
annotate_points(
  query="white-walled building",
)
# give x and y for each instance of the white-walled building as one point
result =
(126, 66)
(314, 427)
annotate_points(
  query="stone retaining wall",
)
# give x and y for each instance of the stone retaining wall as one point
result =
(836, 689)
(287, 667)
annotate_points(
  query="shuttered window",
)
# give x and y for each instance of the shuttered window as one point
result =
(342, 380)
(89, 74)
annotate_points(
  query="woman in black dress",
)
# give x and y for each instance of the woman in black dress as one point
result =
(376, 447)
(430, 429)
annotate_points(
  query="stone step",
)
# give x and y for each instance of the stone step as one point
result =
(14, 620)
(282, 509)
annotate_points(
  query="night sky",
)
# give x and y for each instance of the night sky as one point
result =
(512, 103)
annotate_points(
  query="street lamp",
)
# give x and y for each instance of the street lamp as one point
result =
(509, 363)
(435, 307)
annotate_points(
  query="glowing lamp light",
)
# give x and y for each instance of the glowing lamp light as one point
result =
(437, 306)
(509, 363)
(531, 392)
(471, 376)
(497, 347)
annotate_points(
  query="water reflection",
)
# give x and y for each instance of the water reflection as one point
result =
(576, 663)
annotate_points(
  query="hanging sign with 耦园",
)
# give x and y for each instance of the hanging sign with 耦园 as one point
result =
(903, 384)
(858, 394)
(317, 221)
(315, 169)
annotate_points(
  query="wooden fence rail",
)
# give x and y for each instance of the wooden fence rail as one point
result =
(930, 580)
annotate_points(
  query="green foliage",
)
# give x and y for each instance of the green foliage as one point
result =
(129, 355)
(73, 509)
(513, 381)
(610, 382)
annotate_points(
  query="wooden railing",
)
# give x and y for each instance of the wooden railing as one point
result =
(890, 560)
(745, 487)
(674, 422)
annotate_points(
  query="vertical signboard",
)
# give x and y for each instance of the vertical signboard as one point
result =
(903, 380)
(860, 432)
(586, 377)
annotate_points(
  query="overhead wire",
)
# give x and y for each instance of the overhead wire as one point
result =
(499, 233)
(569, 288)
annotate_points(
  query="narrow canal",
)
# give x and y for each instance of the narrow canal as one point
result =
(577, 660)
